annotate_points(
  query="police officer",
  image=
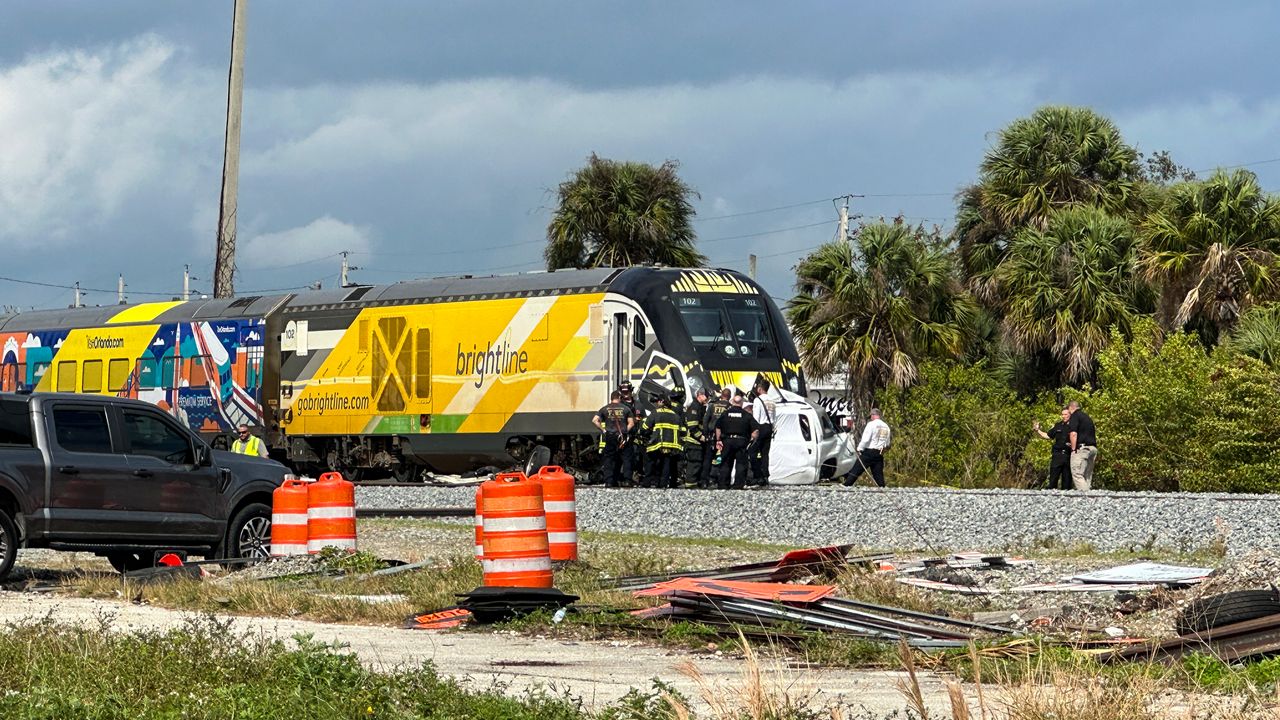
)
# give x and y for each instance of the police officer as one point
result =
(665, 443)
(709, 450)
(615, 422)
(635, 444)
(763, 410)
(1060, 465)
(735, 430)
(876, 438)
(694, 440)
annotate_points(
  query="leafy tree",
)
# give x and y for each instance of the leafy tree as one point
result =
(615, 214)
(1065, 286)
(875, 305)
(1258, 334)
(1211, 248)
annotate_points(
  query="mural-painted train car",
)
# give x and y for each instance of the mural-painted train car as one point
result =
(447, 373)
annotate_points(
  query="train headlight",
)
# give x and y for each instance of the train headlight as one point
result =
(730, 350)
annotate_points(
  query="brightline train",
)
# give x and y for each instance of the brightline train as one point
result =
(444, 374)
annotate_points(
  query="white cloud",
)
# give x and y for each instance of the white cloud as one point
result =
(299, 245)
(87, 133)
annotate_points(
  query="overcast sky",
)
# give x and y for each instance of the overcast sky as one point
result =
(425, 137)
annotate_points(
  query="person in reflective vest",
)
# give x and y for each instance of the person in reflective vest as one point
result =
(615, 422)
(247, 443)
(665, 431)
(709, 450)
(694, 442)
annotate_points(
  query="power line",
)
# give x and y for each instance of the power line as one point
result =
(767, 232)
(291, 265)
(762, 211)
(1241, 165)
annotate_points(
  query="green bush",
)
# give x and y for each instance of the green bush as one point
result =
(1171, 416)
(962, 426)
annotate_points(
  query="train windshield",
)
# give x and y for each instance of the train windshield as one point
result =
(731, 326)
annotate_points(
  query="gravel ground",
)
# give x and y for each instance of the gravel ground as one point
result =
(912, 518)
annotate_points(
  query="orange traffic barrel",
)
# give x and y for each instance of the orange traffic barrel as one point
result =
(479, 522)
(289, 519)
(331, 513)
(559, 503)
(515, 533)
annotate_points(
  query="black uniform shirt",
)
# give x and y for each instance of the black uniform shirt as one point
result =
(614, 416)
(736, 422)
(714, 410)
(1082, 426)
(1061, 437)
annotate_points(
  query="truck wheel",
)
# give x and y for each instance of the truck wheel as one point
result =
(8, 544)
(249, 535)
(125, 562)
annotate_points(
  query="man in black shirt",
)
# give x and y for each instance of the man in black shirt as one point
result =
(1084, 447)
(713, 413)
(1060, 464)
(615, 421)
(735, 430)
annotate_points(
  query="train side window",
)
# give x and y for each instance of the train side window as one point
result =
(91, 376)
(196, 374)
(66, 376)
(117, 374)
(148, 374)
(422, 365)
(638, 334)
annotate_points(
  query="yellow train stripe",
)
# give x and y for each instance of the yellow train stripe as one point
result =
(146, 312)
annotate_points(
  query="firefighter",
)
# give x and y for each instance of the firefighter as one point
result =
(694, 439)
(615, 421)
(635, 444)
(709, 450)
(735, 431)
(665, 435)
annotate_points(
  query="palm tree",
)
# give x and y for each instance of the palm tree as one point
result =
(1211, 247)
(1065, 286)
(1258, 334)
(1058, 157)
(615, 214)
(875, 305)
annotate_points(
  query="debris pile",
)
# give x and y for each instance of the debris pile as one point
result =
(1255, 570)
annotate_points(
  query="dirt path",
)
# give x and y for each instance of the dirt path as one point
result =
(597, 672)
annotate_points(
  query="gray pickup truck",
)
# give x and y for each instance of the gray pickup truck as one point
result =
(123, 479)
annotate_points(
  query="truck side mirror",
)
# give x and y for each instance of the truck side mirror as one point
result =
(204, 456)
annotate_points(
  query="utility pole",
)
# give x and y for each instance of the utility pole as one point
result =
(844, 220)
(342, 282)
(78, 302)
(186, 282)
(120, 290)
(751, 266)
(225, 264)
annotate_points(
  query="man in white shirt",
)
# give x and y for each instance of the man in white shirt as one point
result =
(763, 410)
(876, 438)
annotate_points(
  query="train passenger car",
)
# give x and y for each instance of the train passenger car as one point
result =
(445, 374)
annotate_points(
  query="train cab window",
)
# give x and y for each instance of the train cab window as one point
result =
(91, 376)
(66, 376)
(639, 337)
(751, 329)
(703, 320)
(117, 374)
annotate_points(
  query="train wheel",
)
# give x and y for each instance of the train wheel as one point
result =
(407, 473)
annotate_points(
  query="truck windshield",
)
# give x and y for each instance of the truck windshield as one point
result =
(732, 326)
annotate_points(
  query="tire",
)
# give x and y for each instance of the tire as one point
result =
(1217, 610)
(8, 544)
(125, 562)
(249, 534)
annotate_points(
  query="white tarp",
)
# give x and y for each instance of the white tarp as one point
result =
(1145, 572)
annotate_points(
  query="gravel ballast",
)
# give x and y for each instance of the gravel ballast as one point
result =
(911, 518)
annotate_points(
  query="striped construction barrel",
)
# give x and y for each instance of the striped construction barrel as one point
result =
(479, 522)
(515, 533)
(559, 502)
(331, 513)
(289, 518)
